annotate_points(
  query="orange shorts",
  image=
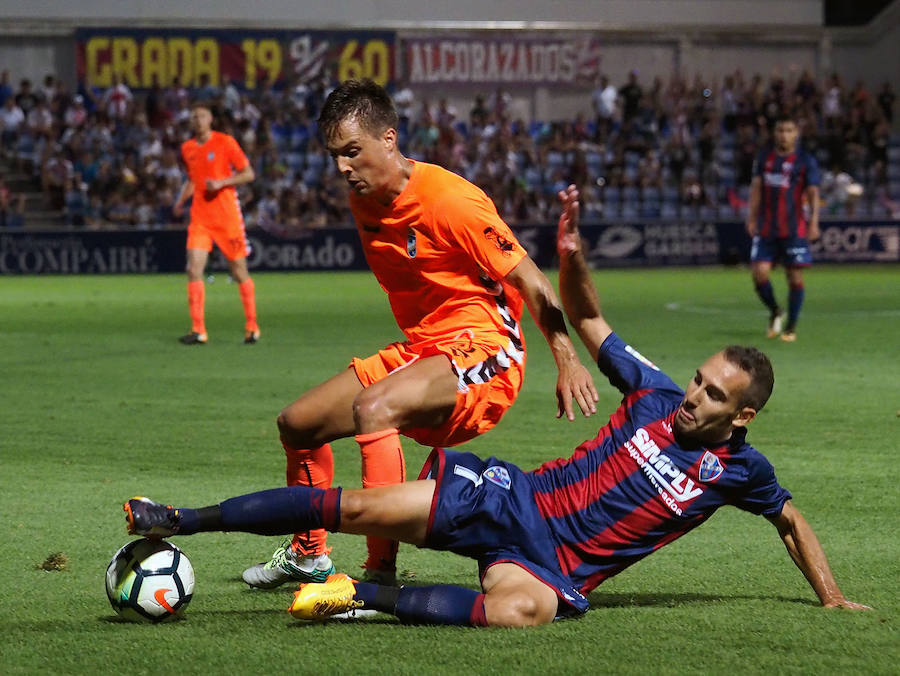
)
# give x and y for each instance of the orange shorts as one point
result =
(489, 379)
(231, 239)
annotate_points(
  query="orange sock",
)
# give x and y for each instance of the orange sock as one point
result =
(382, 465)
(248, 300)
(310, 467)
(196, 298)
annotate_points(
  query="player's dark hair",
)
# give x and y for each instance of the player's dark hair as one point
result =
(363, 100)
(757, 365)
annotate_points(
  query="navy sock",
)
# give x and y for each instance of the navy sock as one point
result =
(795, 302)
(767, 296)
(279, 511)
(441, 604)
(377, 596)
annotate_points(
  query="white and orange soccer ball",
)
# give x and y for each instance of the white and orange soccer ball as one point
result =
(149, 581)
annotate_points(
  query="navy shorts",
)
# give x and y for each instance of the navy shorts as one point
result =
(793, 252)
(485, 509)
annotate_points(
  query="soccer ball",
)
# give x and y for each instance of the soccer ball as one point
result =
(149, 581)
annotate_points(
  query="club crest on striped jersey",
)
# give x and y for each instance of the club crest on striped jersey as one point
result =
(498, 475)
(411, 242)
(711, 468)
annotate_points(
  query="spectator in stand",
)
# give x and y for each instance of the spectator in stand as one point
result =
(886, 99)
(76, 202)
(76, 115)
(12, 206)
(12, 121)
(631, 94)
(117, 99)
(6, 90)
(56, 176)
(26, 99)
(231, 97)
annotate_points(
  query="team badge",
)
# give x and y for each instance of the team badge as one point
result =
(411, 242)
(506, 247)
(210, 156)
(498, 475)
(711, 468)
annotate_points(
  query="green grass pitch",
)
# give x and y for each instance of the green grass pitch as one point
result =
(101, 403)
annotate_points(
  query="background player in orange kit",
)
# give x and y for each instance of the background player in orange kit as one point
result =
(455, 278)
(215, 165)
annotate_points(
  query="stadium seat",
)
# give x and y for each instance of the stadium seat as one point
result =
(668, 210)
(630, 211)
(651, 209)
(652, 194)
(631, 193)
(671, 193)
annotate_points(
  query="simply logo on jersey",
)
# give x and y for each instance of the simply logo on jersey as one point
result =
(210, 156)
(495, 474)
(711, 468)
(673, 485)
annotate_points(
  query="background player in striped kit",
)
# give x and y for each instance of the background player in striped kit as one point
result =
(215, 166)
(665, 462)
(785, 184)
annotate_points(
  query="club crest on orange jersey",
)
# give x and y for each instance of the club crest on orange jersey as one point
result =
(711, 468)
(506, 247)
(411, 242)
(210, 156)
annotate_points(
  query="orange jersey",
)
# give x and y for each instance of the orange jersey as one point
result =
(216, 159)
(441, 252)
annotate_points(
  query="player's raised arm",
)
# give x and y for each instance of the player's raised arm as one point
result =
(576, 288)
(574, 381)
(805, 550)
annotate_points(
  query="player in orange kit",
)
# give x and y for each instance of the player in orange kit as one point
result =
(215, 164)
(455, 278)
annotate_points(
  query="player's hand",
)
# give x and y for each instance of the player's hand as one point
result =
(844, 603)
(751, 228)
(575, 382)
(213, 185)
(178, 210)
(814, 232)
(568, 240)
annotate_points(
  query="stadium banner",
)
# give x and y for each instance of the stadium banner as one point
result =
(251, 58)
(606, 246)
(513, 59)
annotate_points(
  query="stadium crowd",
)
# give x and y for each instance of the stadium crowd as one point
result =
(676, 148)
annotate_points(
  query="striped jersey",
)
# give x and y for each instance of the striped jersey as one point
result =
(783, 183)
(633, 488)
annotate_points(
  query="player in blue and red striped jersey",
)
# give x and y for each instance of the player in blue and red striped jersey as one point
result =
(785, 185)
(667, 459)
